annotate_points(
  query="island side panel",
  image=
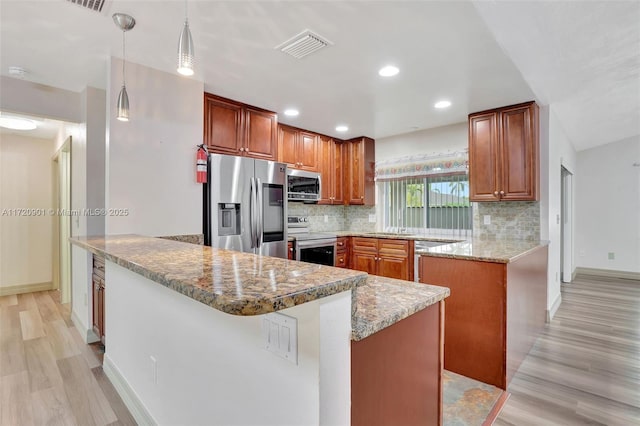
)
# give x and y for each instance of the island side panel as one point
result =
(475, 318)
(396, 373)
(526, 306)
(210, 367)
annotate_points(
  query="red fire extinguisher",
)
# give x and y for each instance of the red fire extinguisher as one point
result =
(201, 164)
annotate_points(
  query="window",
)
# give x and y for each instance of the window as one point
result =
(429, 203)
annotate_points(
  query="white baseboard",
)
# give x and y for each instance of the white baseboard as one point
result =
(554, 308)
(87, 334)
(25, 288)
(609, 273)
(128, 395)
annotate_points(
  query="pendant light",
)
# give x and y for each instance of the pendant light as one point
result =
(125, 23)
(185, 47)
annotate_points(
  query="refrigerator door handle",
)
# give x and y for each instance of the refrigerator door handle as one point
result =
(259, 213)
(252, 216)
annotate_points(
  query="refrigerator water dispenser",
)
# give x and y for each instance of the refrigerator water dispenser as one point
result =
(228, 219)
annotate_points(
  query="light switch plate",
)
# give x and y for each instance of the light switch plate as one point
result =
(280, 335)
(487, 219)
(372, 218)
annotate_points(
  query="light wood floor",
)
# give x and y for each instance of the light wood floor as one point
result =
(48, 376)
(585, 368)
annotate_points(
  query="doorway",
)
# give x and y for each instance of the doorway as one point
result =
(566, 225)
(62, 222)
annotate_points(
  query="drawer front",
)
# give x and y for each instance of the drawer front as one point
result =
(341, 260)
(341, 243)
(366, 245)
(394, 248)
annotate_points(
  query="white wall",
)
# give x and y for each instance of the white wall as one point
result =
(440, 139)
(39, 100)
(212, 367)
(608, 205)
(560, 153)
(25, 183)
(151, 158)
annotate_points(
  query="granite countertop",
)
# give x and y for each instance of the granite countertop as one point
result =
(497, 251)
(382, 302)
(232, 282)
(401, 236)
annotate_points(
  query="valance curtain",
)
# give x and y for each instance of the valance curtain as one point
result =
(441, 164)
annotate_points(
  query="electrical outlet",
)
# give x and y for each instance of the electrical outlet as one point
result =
(611, 255)
(372, 218)
(487, 219)
(326, 218)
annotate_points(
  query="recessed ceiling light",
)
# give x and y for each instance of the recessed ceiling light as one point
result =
(341, 128)
(388, 71)
(16, 123)
(291, 112)
(442, 104)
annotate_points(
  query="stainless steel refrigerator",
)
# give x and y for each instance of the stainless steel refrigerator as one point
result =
(245, 205)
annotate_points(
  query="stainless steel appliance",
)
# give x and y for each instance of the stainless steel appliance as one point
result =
(245, 205)
(303, 186)
(421, 245)
(311, 247)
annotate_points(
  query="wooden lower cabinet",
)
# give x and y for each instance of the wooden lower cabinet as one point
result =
(290, 251)
(342, 252)
(97, 281)
(494, 313)
(383, 256)
(396, 373)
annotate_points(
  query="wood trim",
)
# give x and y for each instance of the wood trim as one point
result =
(497, 408)
(625, 275)
(129, 397)
(25, 288)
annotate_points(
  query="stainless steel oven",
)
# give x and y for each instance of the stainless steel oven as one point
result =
(313, 248)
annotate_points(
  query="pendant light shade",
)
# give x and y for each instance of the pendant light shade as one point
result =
(186, 54)
(123, 105)
(125, 23)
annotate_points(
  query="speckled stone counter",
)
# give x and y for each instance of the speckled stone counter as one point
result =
(502, 251)
(189, 238)
(232, 282)
(411, 237)
(382, 302)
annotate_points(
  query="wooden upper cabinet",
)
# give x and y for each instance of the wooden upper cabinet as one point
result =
(260, 134)
(359, 181)
(331, 169)
(223, 122)
(504, 154)
(234, 128)
(298, 148)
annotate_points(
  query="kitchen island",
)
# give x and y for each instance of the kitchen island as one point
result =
(176, 360)
(497, 306)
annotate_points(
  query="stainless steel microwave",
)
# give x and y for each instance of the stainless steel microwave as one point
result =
(303, 186)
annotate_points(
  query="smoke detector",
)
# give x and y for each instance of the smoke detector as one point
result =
(17, 72)
(303, 44)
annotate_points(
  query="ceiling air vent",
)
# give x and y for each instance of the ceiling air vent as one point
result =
(90, 4)
(303, 44)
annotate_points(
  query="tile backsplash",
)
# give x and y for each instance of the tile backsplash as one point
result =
(518, 220)
(339, 218)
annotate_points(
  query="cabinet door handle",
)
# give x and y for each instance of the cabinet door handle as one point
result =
(495, 193)
(340, 244)
(501, 192)
(362, 197)
(241, 149)
(340, 260)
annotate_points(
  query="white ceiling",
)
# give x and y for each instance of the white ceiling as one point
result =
(582, 58)
(443, 49)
